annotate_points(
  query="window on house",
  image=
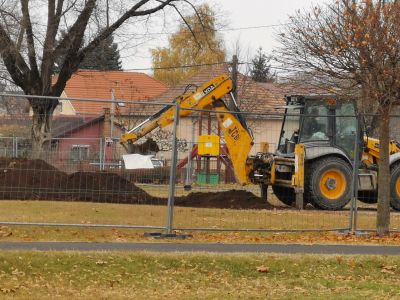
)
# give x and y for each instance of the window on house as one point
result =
(121, 104)
(79, 152)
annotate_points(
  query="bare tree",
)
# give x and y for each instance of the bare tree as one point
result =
(352, 46)
(29, 47)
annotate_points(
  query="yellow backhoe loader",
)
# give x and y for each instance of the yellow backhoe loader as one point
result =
(313, 161)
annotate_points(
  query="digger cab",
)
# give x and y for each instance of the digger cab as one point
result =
(318, 121)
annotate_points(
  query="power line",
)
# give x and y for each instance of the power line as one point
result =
(222, 29)
(254, 27)
(199, 65)
(185, 67)
(178, 67)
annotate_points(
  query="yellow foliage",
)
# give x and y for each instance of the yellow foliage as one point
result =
(200, 47)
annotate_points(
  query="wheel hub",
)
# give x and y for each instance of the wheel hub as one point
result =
(330, 184)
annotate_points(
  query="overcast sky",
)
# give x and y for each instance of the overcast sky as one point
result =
(236, 14)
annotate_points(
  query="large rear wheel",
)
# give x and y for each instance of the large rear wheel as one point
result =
(395, 187)
(328, 183)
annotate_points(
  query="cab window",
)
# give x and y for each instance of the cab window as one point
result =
(315, 123)
(346, 124)
(290, 130)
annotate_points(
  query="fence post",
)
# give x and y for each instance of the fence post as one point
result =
(353, 205)
(100, 153)
(172, 177)
(14, 146)
(188, 180)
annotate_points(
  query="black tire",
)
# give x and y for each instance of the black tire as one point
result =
(336, 192)
(284, 194)
(395, 191)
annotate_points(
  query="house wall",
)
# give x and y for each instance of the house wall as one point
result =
(64, 108)
(88, 135)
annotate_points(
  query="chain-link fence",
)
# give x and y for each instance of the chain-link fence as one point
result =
(198, 169)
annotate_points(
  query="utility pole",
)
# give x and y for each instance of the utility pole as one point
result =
(112, 112)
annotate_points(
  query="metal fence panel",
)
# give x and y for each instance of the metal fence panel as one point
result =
(80, 179)
(217, 202)
(366, 216)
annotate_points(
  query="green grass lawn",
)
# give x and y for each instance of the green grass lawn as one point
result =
(122, 275)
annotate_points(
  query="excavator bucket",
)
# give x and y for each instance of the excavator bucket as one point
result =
(148, 147)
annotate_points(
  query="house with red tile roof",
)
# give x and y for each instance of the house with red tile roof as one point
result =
(107, 85)
(92, 120)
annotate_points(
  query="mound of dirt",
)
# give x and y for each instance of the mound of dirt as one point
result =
(105, 187)
(23, 179)
(29, 179)
(235, 199)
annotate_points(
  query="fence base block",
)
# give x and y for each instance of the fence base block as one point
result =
(343, 231)
(361, 233)
(159, 235)
(152, 234)
(174, 236)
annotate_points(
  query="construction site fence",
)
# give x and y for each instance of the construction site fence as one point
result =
(81, 178)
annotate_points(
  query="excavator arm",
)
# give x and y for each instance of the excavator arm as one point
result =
(237, 136)
(238, 139)
(202, 98)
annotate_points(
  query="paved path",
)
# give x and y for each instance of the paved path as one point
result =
(220, 248)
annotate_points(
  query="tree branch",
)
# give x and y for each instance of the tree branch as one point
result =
(13, 60)
(34, 72)
(53, 22)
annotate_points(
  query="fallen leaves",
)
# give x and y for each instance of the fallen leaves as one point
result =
(101, 263)
(389, 269)
(262, 269)
(7, 290)
(296, 238)
(5, 231)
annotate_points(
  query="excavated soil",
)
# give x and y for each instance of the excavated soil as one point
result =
(23, 179)
(235, 199)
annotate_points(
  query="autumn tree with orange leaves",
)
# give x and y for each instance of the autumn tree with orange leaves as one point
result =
(196, 43)
(353, 47)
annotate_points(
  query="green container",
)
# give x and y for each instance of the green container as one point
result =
(211, 178)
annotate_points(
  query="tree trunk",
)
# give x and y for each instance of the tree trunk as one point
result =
(383, 210)
(41, 129)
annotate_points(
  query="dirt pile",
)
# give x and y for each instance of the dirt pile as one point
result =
(234, 199)
(23, 179)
